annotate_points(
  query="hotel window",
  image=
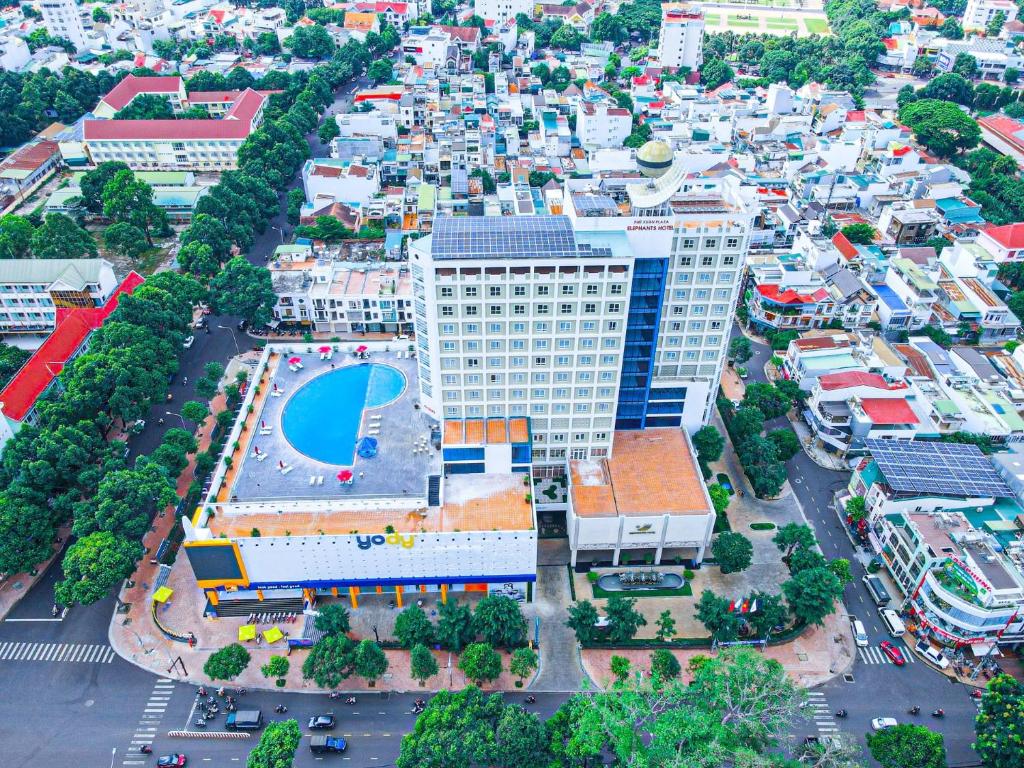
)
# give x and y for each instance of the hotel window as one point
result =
(518, 327)
(616, 289)
(494, 309)
(689, 242)
(494, 291)
(472, 362)
(589, 325)
(704, 277)
(473, 379)
(568, 290)
(562, 360)
(560, 392)
(541, 344)
(541, 327)
(470, 292)
(592, 290)
(518, 394)
(519, 290)
(543, 309)
(448, 346)
(472, 310)
(565, 343)
(540, 361)
(518, 362)
(732, 242)
(447, 310)
(565, 309)
(564, 326)
(561, 377)
(472, 346)
(518, 344)
(543, 290)
(592, 308)
(728, 261)
(472, 328)
(447, 292)
(518, 309)
(716, 325)
(557, 453)
(495, 362)
(579, 454)
(586, 343)
(451, 380)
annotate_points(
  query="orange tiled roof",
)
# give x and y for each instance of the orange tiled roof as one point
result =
(497, 431)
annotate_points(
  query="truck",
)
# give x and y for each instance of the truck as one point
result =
(320, 745)
(877, 590)
(244, 720)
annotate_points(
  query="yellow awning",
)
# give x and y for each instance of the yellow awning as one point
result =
(247, 632)
(162, 595)
(272, 635)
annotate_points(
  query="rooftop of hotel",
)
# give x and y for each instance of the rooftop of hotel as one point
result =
(650, 472)
(948, 534)
(398, 470)
(471, 503)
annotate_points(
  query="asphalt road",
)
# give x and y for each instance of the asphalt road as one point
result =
(878, 688)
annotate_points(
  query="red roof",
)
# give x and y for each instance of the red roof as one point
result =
(73, 327)
(1008, 235)
(833, 381)
(122, 93)
(844, 246)
(462, 34)
(31, 156)
(237, 124)
(882, 410)
(856, 116)
(789, 296)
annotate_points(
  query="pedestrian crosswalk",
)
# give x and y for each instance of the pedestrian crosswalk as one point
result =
(153, 713)
(877, 656)
(818, 710)
(84, 653)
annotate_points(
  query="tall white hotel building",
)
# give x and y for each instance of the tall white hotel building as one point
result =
(614, 315)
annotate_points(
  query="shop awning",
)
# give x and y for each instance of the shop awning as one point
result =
(985, 649)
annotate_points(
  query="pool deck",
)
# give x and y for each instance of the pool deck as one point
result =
(399, 468)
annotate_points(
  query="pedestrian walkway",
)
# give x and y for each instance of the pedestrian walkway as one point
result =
(875, 655)
(821, 713)
(560, 668)
(75, 653)
(145, 731)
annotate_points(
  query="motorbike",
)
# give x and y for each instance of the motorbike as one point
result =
(841, 713)
(913, 710)
(201, 691)
(938, 713)
(200, 723)
(531, 699)
(281, 709)
(334, 695)
(145, 749)
(350, 700)
(975, 694)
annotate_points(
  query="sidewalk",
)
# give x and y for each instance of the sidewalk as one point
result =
(17, 585)
(818, 455)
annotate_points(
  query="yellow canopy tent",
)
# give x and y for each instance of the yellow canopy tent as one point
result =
(247, 632)
(162, 595)
(272, 635)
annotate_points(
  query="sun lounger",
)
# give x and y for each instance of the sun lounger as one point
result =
(276, 393)
(312, 480)
(261, 457)
(288, 468)
(320, 480)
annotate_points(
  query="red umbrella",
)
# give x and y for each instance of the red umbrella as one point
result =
(344, 476)
(263, 424)
(362, 348)
(256, 450)
(325, 349)
(280, 465)
(294, 360)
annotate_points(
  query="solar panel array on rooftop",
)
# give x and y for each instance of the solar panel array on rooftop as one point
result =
(474, 237)
(945, 469)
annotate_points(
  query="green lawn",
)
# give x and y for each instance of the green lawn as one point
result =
(736, 21)
(781, 23)
(762, 526)
(683, 591)
(816, 26)
(713, 19)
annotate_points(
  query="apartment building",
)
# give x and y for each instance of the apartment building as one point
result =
(32, 290)
(979, 13)
(501, 11)
(62, 18)
(601, 124)
(587, 322)
(682, 36)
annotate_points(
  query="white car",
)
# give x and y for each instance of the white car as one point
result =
(881, 723)
(189, 342)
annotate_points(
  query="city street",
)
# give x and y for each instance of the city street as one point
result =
(878, 688)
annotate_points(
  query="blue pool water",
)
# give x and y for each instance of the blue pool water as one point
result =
(322, 418)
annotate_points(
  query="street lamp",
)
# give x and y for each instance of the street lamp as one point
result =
(113, 754)
(280, 231)
(226, 328)
(172, 413)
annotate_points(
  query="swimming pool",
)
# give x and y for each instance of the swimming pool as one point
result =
(321, 420)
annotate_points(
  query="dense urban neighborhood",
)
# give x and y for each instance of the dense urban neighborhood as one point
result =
(507, 384)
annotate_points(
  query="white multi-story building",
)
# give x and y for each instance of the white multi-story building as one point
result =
(588, 322)
(680, 43)
(32, 290)
(62, 19)
(501, 10)
(600, 124)
(979, 13)
(14, 53)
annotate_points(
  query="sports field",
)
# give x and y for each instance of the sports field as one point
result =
(773, 17)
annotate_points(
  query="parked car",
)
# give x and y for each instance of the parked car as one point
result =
(187, 344)
(895, 654)
(321, 722)
(932, 655)
(320, 745)
(881, 723)
(171, 761)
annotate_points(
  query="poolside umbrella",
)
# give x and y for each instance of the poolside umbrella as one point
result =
(247, 632)
(325, 349)
(272, 635)
(294, 360)
(162, 595)
(280, 464)
(345, 475)
(362, 348)
(263, 423)
(256, 450)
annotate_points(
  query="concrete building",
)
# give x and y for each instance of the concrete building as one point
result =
(501, 10)
(33, 290)
(647, 500)
(600, 124)
(680, 43)
(62, 18)
(979, 13)
(353, 182)
(14, 53)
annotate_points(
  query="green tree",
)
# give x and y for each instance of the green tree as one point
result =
(713, 612)
(369, 661)
(812, 594)
(227, 663)
(760, 459)
(951, 30)
(786, 442)
(966, 66)
(841, 568)
(940, 337)
(715, 72)
(328, 131)
(747, 422)
(860, 233)
(500, 621)
(523, 662)
(486, 180)
(276, 666)
(567, 38)
(620, 668)
(806, 559)
(948, 87)
(276, 747)
(197, 258)
(740, 349)
(767, 399)
(312, 42)
(27, 531)
(207, 230)
(15, 237)
(907, 746)
(733, 551)
(125, 502)
(1011, 75)
(719, 498)
(100, 15)
(93, 565)
(244, 289)
(792, 536)
(480, 663)
(195, 412)
(330, 661)
(666, 626)
(126, 240)
(709, 444)
(582, 620)
(147, 106)
(771, 613)
(422, 664)
(997, 726)
(412, 627)
(61, 238)
(623, 618)
(128, 200)
(665, 665)
(380, 71)
(608, 27)
(333, 619)
(455, 627)
(11, 360)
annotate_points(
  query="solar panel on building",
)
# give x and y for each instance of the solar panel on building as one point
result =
(497, 236)
(945, 469)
